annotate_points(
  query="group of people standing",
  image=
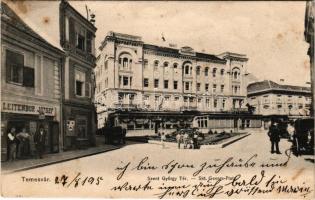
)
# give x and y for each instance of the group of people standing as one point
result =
(25, 144)
(189, 142)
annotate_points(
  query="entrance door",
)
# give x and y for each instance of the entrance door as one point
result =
(54, 127)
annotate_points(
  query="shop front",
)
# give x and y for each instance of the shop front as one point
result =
(27, 118)
(78, 128)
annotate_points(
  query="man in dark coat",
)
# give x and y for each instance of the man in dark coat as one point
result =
(274, 136)
(39, 140)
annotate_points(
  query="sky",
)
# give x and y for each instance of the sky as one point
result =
(269, 33)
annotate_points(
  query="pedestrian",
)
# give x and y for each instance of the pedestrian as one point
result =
(32, 144)
(186, 137)
(39, 140)
(23, 137)
(291, 130)
(195, 141)
(178, 139)
(163, 139)
(274, 136)
(12, 144)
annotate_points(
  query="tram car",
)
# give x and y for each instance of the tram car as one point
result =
(303, 139)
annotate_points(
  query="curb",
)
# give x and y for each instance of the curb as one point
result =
(55, 162)
(225, 143)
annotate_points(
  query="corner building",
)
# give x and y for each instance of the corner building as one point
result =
(134, 76)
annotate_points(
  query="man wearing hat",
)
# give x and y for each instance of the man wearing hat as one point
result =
(274, 136)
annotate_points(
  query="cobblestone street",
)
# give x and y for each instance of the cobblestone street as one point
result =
(298, 169)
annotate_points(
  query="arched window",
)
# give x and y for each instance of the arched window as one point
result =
(175, 65)
(236, 73)
(198, 70)
(165, 64)
(125, 60)
(186, 69)
(214, 71)
(206, 71)
(156, 64)
(222, 72)
(125, 63)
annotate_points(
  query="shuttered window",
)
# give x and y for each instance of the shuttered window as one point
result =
(16, 72)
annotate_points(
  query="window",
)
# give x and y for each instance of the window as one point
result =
(165, 84)
(119, 81)
(145, 64)
(214, 71)
(165, 64)
(89, 42)
(146, 97)
(186, 69)
(80, 83)
(156, 83)
(215, 103)
(106, 65)
(198, 70)
(14, 66)
(235, 89)
(145, 82)
(198, 87)
(222, 88)
(186, 85)
(223, 103)
(125, 80)
(156, 64)
(80, 42)
(207, 87)
(236, 73)
(125, 63)
(167, 98)
(206, 71)
(175, 85)
(175, 65)
(214, 87)
(176, 98)
(207, 102)
(222, 72)
(199, 100)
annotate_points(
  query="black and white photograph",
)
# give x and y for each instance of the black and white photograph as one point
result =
(157, 99)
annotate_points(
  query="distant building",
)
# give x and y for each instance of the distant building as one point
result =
(31, 93)
(77, 35)
(132, 75)
(309, 38)
(270, 98)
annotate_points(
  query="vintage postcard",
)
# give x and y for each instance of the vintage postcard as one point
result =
(157, 99)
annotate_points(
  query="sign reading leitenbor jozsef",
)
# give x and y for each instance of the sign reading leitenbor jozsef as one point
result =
(12, 107)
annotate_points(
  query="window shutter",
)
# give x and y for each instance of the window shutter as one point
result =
(8, 69)
(72, 34)
(87, 90)
(28, 77)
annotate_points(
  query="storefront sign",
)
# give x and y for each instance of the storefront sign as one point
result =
(12, 107)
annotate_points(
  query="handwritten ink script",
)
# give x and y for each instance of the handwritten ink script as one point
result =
(209, 179)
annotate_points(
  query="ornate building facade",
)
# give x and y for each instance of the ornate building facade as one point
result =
(133, 75)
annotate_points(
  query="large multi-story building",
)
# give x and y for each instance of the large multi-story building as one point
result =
(272, 99)
(133, 75)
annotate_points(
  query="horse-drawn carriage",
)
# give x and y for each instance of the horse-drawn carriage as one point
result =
(303, 138)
